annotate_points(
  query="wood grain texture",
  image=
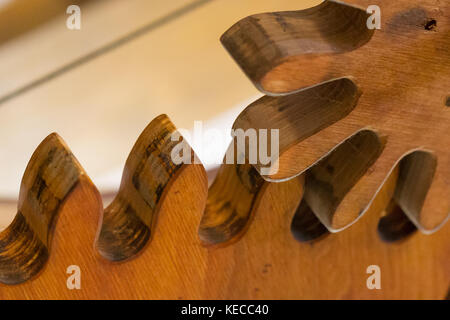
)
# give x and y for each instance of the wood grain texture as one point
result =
(49, 177)
(231, 200)
(260, 42)
(239, 239)
(402, 72)
(150, 77)
(258, 259)
(129, 220)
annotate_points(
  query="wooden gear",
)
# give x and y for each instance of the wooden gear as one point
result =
(364, 163)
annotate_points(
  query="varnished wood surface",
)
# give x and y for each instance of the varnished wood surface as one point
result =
(256, 239)
(264, 262)
(232, 198)
(50, 176)
(402, 72)
(149, 75)
(128, 222)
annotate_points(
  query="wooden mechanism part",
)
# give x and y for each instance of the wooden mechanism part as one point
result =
(49, 177)
(262, 42)
(249, 222)
(402, 72)
(227, 214)
(129, 220)
(356, 154)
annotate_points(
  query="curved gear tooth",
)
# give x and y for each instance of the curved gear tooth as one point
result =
(339, 187)
(129, 221)
(49, 178)
(394, 225)
(420, 200)
(305, 154)
(283, 51)
(234, 199)
(231, 202)
(422, 191)
(308, 124)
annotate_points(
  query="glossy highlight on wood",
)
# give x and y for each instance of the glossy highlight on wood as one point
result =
(49, 178)
(348, 194)
(402, 75)
(129, 220)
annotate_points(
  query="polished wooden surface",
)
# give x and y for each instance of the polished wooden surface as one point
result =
(403, 93)
(175, 65)
(260, 259)
(245, 237)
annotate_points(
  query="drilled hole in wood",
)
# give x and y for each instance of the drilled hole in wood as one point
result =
(430, 24)
(395, 225)
(447, 101)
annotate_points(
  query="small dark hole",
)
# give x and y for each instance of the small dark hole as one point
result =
(430, 24)
(447, 101)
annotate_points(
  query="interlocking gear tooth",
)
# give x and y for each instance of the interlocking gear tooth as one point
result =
(129, 220)
(50, 176)
(343, 147)
(336, 185)
(231, 203)
(277, 53)
(266, 46)
(299, 117)
(422, 192)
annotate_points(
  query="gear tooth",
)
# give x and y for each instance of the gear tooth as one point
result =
(276, 50)
(50, 176)
(307, 122)
(421, 190)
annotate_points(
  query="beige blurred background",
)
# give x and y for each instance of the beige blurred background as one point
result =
(98, 87)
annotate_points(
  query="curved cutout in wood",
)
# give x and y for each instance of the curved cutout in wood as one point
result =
(329, 181)
(416, 173)
(402, 217)
(395, 226)
(126, 223)
(305, 226)
(402, 97)
(176, 266)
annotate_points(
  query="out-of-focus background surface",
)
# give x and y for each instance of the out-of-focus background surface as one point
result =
(98, 87)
